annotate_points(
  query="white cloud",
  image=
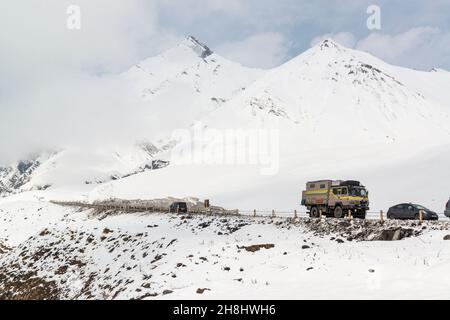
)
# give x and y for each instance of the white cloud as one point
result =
(53, 82)
(264, 50)
(421, 47)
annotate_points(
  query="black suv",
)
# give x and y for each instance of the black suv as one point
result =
(410, 211)
(447, 209)
(178, 207)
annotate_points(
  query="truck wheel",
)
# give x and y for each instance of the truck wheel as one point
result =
(338, 212)
(315, 212)
(363, 215)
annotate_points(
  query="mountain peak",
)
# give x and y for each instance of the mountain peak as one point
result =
(329, 44)
(199, 48)
(438, 70)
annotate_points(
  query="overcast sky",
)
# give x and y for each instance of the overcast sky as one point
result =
(52, 78)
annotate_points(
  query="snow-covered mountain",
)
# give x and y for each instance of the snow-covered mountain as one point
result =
(188, 81)
(336, 113)
(330, 92)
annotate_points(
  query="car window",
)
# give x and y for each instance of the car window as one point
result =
(410, 208)
(344, 191)
(400, 207)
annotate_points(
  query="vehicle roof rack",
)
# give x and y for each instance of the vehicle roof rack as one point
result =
(352, 183)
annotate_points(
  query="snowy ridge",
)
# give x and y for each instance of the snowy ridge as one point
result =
(188, 80)
(80, 168)
(201, 49)
(15, 177)
(330, 87)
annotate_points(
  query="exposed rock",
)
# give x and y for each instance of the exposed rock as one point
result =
(363, 230)
(44, 232)
(257, 247)
(201, 290)
(394, 234)
(14, 177)
(3, 248)
(106, 231)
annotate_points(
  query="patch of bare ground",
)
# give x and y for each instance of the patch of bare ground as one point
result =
(257, 247)
(26, 286)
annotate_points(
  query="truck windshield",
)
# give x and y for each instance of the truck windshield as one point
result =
(358, 192)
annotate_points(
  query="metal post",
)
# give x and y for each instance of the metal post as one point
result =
(381, 216)
(295, 214)
(254, 213)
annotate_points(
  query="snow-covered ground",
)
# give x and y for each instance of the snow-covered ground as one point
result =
(73, 254)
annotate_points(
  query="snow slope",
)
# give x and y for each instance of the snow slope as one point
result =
(158, 256)
(391, 179)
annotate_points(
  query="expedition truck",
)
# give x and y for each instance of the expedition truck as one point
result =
(336, 198)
